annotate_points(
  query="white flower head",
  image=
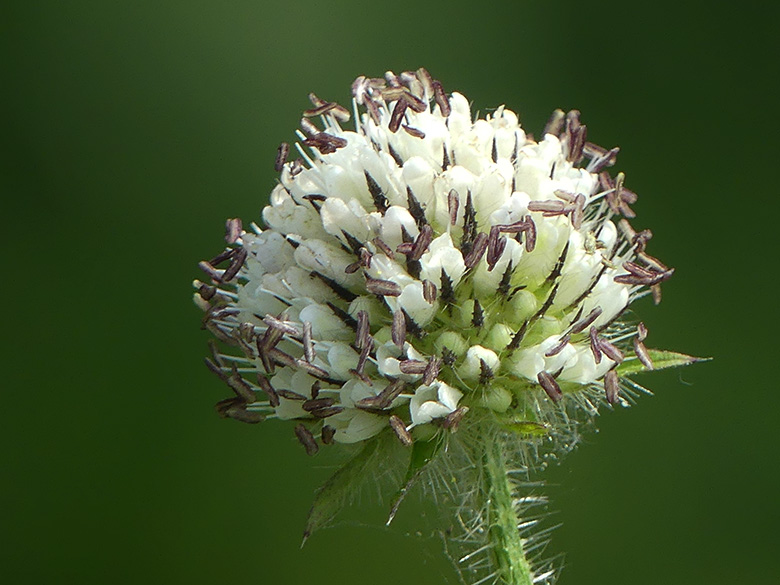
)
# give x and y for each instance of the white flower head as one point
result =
(413, 265)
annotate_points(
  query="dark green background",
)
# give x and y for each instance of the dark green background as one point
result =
(130, 130)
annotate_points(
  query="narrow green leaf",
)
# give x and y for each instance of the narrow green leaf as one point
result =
(423, 452)
(661, 360)
(342, 485)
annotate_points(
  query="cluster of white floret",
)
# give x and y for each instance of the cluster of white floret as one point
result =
(425, 266)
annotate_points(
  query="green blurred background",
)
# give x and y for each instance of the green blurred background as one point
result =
(131, 130)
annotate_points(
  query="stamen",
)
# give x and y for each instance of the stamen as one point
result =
(429, 291)
(312, 370)
(235, 408)
(290, 395)
(610, 350)
(421, 243)
(306, 439)
(530, 236)
(641, 331)
(431, 371)
(413, 131)
(559, 347)
(412, 367)
(453, 202)
(327, 434)
(382, 246)
(362, 334)
(281, 156)
(612, 386)
(477, 250)
(641, 352)
(587, 321)
(452, 420)
(318, 403)
(399, 428)
(550, 386)
(554, 123)
(265, 386)
(595, 348)
(325, 143)
(441, 99)
(398, 329)
(385, 288)
(398, 113)
(233, 229)
(327, 412)
(239, 257)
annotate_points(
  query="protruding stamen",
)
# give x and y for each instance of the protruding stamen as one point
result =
(399, 428)
(476, 250)
(555, 123)
(421, 243)
(325, 143)
(290, 395)
(398, 329)
(429, 291)
(327, 433)
(558, 348)
(265, 386)
(362, 334)
(530, 236)
(235, 408)
(453, 202)
(235, 265)
(452, 420)
(595, 347)
(550, 386)
(281, 156)
(412, 367)
(318, 403)
(441, 99)
(384, 288)
(233, 229)
(413, 131)
(306, 439)
(432, 371)
(611, 386)
(610, 350)
(397, 116)
(586, 321)
(641, 352)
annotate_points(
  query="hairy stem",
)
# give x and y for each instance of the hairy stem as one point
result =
(503, 533)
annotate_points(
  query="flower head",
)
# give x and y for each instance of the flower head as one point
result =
(426, 266)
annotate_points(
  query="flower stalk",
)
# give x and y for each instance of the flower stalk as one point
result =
(506, 543)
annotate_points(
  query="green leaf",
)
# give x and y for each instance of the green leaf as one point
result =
(342, 485)
(661, 360)
(423, 452)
